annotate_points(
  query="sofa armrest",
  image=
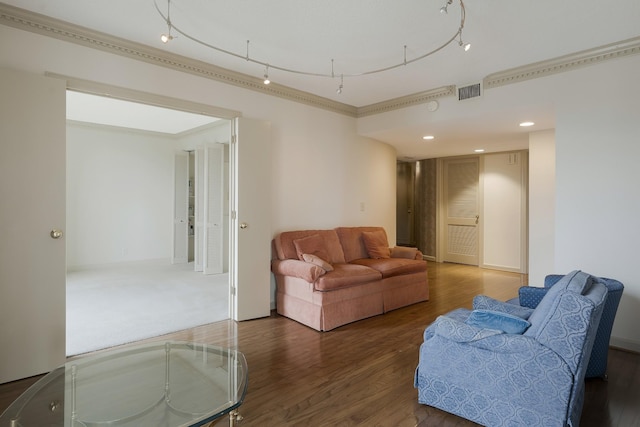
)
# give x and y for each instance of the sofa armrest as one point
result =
(405, 252)
(552, 279)
(530, 296)
(296, 268)
(494, 341)
(455, 330)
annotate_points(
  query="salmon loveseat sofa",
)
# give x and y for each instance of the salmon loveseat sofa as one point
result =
(328, 278)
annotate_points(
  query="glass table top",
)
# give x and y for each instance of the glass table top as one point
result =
(162, 384)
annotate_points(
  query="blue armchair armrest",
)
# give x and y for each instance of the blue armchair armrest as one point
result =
(530, 296)
(458, 331)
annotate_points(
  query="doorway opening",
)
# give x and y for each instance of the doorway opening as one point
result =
(121, 195)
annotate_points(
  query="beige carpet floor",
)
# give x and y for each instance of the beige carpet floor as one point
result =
(118, 304)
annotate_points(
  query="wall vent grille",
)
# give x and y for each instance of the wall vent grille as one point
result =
(470, 91)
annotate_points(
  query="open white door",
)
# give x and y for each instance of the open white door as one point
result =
(213, 201)
(250, 234)
(32, 216)
(180, 254)
(198, 251)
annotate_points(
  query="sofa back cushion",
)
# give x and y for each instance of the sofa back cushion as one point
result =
(285, 246)
(376, 244)
(352, 242)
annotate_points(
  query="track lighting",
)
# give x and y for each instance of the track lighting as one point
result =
(465, 46)
(444, 9)
(266, 76)
(167, 37)
(457, 35)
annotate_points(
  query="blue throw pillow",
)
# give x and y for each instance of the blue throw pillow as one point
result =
(488, 319)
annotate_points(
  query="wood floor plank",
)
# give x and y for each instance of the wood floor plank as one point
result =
(361, 374)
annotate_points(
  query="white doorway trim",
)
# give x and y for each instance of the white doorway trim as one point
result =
(124, 94)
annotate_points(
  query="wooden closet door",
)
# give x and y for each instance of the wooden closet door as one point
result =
(461, 202)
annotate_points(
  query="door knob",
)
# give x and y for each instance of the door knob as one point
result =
(243, 225)
(55, 233)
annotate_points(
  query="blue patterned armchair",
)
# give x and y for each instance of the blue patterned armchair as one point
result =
(506, 365)
(530, 296)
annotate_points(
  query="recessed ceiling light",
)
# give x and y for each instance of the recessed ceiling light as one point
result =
(426, 137)
(526, 124)
(479, 150)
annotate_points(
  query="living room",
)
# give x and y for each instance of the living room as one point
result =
(325, 164)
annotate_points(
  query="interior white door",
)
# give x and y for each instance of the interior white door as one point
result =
(180, 253)
(250, 234)
(461, 200)
(33, 195)
(213, 237)
(198, 249)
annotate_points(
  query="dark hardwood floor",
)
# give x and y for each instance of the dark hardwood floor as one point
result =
(362, 373)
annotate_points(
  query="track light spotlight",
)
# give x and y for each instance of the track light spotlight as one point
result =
(444, 9)
(167, 37)
(339, 90)
(266, 76)
(465, 46)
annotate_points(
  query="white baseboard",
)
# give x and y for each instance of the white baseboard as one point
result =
(630, 345)
(157, 261)
(501, 268)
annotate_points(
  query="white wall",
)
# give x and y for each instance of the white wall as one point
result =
(597, 173)
(503, 216)
(119, 195)
(542, 205)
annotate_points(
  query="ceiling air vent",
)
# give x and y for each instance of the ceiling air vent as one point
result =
(470, 91)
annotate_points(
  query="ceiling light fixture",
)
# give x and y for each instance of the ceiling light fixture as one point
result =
(339, 91)
(444, 10)
(167, 37)
(479, 150)
(526, 124)
(428, 137)
(266, 76)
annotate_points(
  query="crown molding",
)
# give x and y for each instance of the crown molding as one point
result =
(563, 63)
(406, 101)
(47, 26)
(44, 25)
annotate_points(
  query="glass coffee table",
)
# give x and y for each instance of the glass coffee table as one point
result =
(163, 384)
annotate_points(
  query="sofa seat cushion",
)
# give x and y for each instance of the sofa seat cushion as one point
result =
(346, 275)
(390, 267)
